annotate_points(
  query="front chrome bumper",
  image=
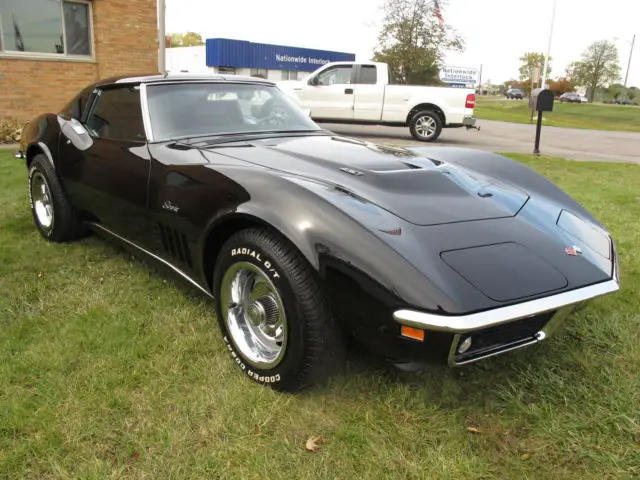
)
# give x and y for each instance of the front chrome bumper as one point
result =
(554, 309)
(496, 316)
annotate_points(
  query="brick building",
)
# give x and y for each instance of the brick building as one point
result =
(49, 49)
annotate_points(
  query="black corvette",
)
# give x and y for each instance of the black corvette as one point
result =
(305, 238)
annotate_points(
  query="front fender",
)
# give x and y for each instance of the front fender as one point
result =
(336, 232)
(41, 136)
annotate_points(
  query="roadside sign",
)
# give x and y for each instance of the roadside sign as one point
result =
(467, 76)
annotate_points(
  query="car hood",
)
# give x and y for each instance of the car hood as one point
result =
(415, 188)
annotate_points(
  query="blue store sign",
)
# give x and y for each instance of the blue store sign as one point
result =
(223, 52)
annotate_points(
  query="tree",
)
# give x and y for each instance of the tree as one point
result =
(531, 61)
(560, 86)
(597, 67)
(189, 39)
(632, 93)
(616, 90)
(413, 41)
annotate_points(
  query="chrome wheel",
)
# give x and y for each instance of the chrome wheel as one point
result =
(41, 200)
(426, 126)
(254, 314)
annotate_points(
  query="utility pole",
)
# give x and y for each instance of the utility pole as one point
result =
(626, 77)
(480, 80)
(546, 59)
(161, 37)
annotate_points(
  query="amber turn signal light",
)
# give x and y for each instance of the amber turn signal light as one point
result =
(411, 332)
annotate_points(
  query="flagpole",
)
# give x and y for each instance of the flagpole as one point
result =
(546, 58)
(626, 77)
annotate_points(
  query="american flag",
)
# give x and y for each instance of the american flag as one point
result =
(437, 12)
(18, 36)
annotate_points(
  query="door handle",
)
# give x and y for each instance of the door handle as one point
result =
(348, 91)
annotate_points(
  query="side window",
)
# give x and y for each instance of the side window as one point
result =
(116, 115)
(368, 75)
(338, 75)
(75, 108)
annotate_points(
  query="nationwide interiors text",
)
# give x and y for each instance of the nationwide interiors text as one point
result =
(310, 60)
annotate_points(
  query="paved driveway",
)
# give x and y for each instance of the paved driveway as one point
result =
(514, 137)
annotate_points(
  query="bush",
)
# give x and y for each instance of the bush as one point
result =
(10, 130)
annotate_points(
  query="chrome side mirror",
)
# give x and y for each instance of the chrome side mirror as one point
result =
(77, 134)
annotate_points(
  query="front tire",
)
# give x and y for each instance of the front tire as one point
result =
(425, 126)
(272, 312)
(53, 216)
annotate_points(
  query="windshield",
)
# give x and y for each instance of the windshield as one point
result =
(196, 109)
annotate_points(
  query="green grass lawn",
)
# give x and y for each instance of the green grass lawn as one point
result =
(575, 115)
(108, 370)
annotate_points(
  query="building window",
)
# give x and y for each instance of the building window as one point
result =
(289, 75)
(259, 72)
(46, 27)
(227, 70)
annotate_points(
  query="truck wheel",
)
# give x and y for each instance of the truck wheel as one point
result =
(425, 126)
(275, 319)
(53, 216)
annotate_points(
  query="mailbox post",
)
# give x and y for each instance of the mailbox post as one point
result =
(541, 100)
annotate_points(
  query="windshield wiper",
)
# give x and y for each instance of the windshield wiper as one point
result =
(255, 135)
(185, 143)
(181, 145)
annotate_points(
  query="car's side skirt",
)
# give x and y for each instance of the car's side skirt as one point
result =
(151, 255)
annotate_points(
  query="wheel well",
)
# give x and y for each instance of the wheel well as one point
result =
(32, 151)
(219, 235)
(427, 106)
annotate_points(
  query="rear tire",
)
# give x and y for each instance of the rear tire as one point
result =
(275, 320)
(53, 216)
(425, 126)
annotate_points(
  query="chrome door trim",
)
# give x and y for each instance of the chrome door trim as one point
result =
(155, 257)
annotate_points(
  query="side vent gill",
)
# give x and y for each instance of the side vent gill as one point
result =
(175, 244)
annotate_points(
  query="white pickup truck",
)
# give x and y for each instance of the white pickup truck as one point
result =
(350, 92)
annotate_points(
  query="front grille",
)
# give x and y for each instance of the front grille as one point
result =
(502, 337)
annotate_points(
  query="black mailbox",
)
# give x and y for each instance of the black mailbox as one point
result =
(541, 100)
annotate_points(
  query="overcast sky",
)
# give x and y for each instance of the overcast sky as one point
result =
(496, 32)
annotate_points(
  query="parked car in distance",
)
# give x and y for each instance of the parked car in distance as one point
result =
(361, 93)
(584, 99)
(304, 238)
(570, 97)
(514, 94)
